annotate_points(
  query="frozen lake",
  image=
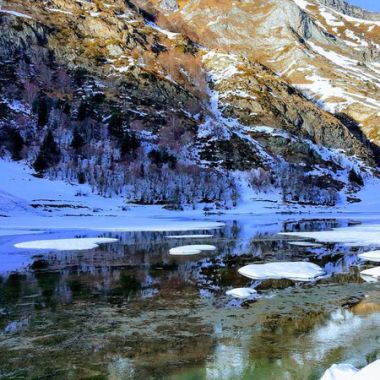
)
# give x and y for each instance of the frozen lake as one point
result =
(128, 309)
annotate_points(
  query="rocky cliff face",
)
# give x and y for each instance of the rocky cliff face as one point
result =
(351, 10)
(183, 102)
(322, 48)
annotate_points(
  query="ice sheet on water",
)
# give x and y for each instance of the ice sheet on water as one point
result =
(304, 244)
(189, 236)
(371, 256)
(241, 292)
(372, 273)
(191, 249)
(359, 235)
(297, 271)
(65, 244)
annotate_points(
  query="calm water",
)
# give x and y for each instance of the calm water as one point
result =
(129, 310)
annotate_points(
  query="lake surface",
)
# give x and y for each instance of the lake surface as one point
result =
(129, 310)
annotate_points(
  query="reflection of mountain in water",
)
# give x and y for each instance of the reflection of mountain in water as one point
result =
(140, 265)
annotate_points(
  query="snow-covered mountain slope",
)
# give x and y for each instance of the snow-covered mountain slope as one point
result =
(325, 48)
(186, 103)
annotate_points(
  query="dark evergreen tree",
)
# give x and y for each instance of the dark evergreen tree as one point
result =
(15, 143)
(81, 178)
(67, 108)
(42, 112)
(115, 125)
(78, 141)
(83, 111)
(129, 143)
(161, 156)
(49, 154)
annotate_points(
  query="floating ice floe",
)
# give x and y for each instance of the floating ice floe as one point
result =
(357, 235)
(241, 292)
(371, 275)
(189, 236)
(65, 244)
(191, 249)
(304, 244)
(297, 271)
(371, 256)
(349, 372)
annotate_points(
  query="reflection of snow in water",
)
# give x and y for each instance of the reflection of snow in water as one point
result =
(16, 326)
(341, 330)
(229, 362)
(121, 369)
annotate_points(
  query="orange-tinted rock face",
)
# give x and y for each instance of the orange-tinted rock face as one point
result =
(331, 56)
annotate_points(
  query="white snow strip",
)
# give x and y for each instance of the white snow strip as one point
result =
(57, 10)
(330, 19)
(371, 256)
(191, 249)
(168, 34)
(297, 271)
(65, 244)
(14, 13)
(302, 4)
(241, 292)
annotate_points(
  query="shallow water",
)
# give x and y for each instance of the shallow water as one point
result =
(130, 310)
